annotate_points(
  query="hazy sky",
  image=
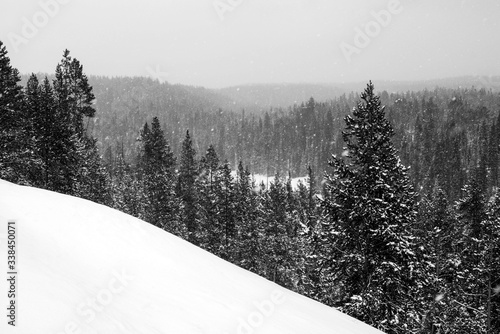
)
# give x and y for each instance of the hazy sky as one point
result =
(229, 42)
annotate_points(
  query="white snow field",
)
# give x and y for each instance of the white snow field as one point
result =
(85, 268)
(267, 180)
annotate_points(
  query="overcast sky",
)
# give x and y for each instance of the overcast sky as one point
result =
(229, 42)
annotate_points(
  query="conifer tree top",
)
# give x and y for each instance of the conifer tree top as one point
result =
(368, 133)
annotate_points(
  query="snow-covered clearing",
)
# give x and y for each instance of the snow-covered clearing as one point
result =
(267, 180)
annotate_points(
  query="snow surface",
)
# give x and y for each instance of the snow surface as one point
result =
(267, 180)
(86, 268)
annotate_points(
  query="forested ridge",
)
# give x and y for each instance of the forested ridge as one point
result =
(407, 250)
(287, 140)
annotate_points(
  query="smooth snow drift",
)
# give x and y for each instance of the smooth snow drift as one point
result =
(86, 268)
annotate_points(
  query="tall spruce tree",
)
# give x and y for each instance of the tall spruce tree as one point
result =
(277, 259)
(249, 224)
(34, 104)
(438, 231)
(309, 235)
(209, 185)
(226, 213)
(492, 256)
(66, 134)
(187, 190)
(128, 191)
(367, 259)
(471, 286)
(157, 163)
(16, 154)
(78, 166)
(93, 179)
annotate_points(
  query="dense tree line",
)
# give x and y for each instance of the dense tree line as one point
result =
(43, 131)
(407, 251)
(429, 125)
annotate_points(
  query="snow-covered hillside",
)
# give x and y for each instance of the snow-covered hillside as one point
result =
(85, 268)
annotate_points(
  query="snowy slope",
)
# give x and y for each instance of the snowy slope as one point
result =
(85, 268)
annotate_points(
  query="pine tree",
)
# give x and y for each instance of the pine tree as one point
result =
(471, 286)
(157, 163)
(74, 94)
(187, 192)
(73, 103)
(128, 192)
(309, 236)
(46, 123)
(93, 180)
(248, 222)
(208, 184)
(34, 105)
(492, 257)
(16, 153)
(438, 232)
(227, 206)
(493, 155)
(279, 234)
(46, 129)
(219, 198)
(367, 260)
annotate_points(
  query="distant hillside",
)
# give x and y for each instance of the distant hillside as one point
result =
(261, 97)
(258, 98)
(466, 82)
(179, 95)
